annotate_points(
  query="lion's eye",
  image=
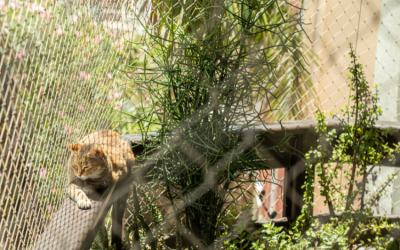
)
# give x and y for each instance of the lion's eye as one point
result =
(74, 166)
(85, 168)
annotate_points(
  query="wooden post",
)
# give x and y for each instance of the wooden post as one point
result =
(295, 177)
(117, 223)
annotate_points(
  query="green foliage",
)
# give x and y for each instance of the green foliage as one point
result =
(102, 241)
(273, 235)
(356, 151)
(393, 245)
(293, 88)
(206, 66)
(270, 28)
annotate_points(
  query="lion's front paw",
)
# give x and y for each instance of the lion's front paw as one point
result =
(84, 203)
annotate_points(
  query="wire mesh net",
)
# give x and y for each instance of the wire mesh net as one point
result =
(372, 27)
(59, 82)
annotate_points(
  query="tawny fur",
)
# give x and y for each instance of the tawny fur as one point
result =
(97, 161)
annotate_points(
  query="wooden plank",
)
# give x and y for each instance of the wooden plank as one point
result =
(72, 227)
(294, 127)
(273, 133)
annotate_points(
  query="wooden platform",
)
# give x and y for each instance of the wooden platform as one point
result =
(73, 228)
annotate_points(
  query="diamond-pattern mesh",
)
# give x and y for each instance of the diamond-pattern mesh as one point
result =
(372, 27)
(59, 82)
(332, 26)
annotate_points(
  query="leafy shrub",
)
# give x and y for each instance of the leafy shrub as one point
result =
(349, 208)
(206, 66)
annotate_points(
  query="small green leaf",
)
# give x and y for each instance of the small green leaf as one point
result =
(393, 245)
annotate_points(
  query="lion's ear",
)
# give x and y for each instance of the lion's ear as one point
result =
(96, 152)
(74, 147)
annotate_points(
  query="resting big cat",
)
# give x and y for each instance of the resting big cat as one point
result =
(97, 161)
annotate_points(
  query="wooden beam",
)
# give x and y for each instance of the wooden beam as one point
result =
(72, 228)
(117, 222)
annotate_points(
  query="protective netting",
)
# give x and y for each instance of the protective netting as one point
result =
(372, 26)
(59, 82)
(333, 25)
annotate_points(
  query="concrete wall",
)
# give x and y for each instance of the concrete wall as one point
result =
(333, 24)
